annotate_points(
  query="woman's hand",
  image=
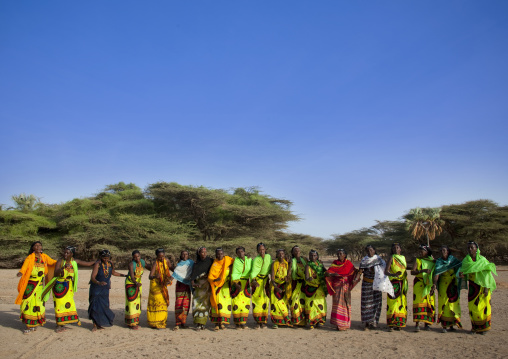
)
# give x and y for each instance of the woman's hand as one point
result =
(138, 284)
(102, 283)
(432, 289)
(485, 291)
(19, 274)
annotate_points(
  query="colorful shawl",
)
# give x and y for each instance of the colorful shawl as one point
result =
(445, 265)
(134, 264)
(241, 268)
(26, 271)
(483, 269)
(261, 266)
(294, 263)
(320, 271)
(381, 280)
(183, 271)
(218, 271)
(345, 270)
(51, 283)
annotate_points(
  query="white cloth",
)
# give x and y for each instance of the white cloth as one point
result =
(381, 281)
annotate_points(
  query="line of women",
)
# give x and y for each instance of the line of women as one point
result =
(291, 293)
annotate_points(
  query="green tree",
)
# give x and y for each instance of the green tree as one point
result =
(424, 222)
(26, 202)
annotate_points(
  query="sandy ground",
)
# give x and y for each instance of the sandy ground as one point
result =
(119, 341)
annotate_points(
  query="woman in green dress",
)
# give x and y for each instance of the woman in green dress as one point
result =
(297, 302)
(260, 282)
(240, 288)
(315, 291)
(424, 310)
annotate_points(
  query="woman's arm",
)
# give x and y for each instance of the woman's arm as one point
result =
(58, 268)
(388, 266)
(115, 273)
(415, 270)
(153, 275)
(93, 276)
(83, 263)
(308, 278)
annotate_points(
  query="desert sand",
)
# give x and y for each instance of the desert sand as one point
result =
(121, 342)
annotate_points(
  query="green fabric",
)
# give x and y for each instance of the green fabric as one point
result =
(260, 266)
(238, 268)
(294, 263)
(400, 258)
(143, 264)
(445, 265)
(320, 271)
(47, 288)
(427, 263)
(483, 268)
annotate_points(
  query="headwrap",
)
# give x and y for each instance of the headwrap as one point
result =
(381, 281)
(241, 268)
(201, 266)
(426, 248)
(183, 271)
(483, 269)
(159, 250)
(104, 253)
(26, 271)
(261, 266)
(218, 270)
(346, 271)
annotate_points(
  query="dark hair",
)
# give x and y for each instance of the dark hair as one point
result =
(370, 246)
(393, 247)
(426, 248)
(468, 243)
(447, 248)
(159, 250)
(31, 250)
(219, 249)
(342, 250)
(313, 251)
(134, 252)
(236, 250)
(280, 250)
(183, 252)
(72, 249)
(104, 253)
(259, 245)
(292, 249)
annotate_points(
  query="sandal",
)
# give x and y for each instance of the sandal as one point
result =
(275, 326)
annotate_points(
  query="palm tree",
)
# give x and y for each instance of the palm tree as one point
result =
(424, 221)
(26, 202)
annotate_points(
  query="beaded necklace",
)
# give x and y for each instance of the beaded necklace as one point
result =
(105, 270)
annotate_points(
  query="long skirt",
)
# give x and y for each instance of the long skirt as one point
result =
(423, 306)
(32, 309)
(182, 303)
(132, 304)
(371, 300)
(98, 308)
(279, 306)
(157, 309)
(260, 300)
(222, 314)
(297, 304)
(315, 304)
(241, 302)
(448, 300)
(201, 300)
(396, 308)
(65, 307)
(341, 307)
(479, 308)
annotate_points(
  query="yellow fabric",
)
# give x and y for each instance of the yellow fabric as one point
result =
(281, 271)
(65, 307)
(218, 270)
(279, 306)
(241, 303)
(315, 301)
(423, 304)
(260, 300)
(26, 271)
(297, 296)
(448, 299)
(32, 309)
(480, 311)
(133, 307)
(221, 312)
(396, 312)
(158, 299)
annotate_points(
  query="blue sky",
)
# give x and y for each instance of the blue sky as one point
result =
(353, 110)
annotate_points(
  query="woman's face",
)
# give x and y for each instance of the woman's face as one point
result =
(202, 253)
(184, 255)
(280, 255)
(371, 252)
(313, 256)
(160, 256)
(471, 248)
(219, 254)
(396, 249)
(67, 254)
(136, 257)
(37, 248)
(105, 259)
(240, 253)
(262, 250)
(444, 252)
(341, 256)
(296, 252)
(423, 252)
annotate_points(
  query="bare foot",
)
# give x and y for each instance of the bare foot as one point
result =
(61, 329)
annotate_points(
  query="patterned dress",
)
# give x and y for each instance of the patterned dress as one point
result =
(63, 296)
(133, 297)
(32, 309)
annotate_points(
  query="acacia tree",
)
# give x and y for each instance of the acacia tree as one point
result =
(424, 222)
(26, 202)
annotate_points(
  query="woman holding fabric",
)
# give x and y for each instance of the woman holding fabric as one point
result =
(340, 282)
(240, 293)
(133, 290)
(315, 291)
(64, 284)
(201, 288)
(423, 291)
(280, 291)
(30, 287)
(220, 300)
(182, 274)
(297, 302)
(396, 308)
(374, 283)
(100, 284)
(259, 280)
(445, 280)
(479, 273)
(158, 299)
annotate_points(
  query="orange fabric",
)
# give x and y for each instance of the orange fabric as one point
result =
(218, 271)
(26, 271)
(165, 274)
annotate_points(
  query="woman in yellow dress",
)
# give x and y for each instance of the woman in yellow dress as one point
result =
(133, 291)
(30, 287)
(158, 299)
(281, 291)
(445, 281)
(64, 285)
(424, 310)
(396, 312)
(297, 302)
(240, 288)
(479, 273)
(260, 285)
(220, 299)
(315, 291)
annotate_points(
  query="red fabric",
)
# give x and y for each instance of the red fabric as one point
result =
(345, 270)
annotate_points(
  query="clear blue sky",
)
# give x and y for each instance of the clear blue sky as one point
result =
(353, 110)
